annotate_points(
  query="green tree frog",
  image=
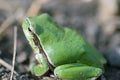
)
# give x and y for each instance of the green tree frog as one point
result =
(61, 50)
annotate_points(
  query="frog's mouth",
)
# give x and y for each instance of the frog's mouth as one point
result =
(39, 46)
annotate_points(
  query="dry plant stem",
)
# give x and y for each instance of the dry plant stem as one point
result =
(32, 11)
(9, 21)
(6, 23)
(106, 13)
(35, 7)
(8, 66)
(14, 51)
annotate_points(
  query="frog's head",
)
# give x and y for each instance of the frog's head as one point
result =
(31, 29)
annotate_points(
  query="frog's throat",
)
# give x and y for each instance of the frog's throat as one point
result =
(38, 45)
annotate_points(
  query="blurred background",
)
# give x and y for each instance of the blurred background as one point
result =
(97, 20)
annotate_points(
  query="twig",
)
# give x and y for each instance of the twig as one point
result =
(14, 52)
(35, 7)
(20, 14)
(9, 21)
(6, 23)
(8, 66)
(107, 10)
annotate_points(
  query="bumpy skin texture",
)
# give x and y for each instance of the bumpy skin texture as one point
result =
(64, 46)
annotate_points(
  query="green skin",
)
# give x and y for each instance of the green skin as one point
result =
(61, 50)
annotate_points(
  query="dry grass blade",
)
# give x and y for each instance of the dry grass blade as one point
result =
(8, 66)
(35, 7)
(6, 23)
(10, 20)
(32, 11)
(14, 51)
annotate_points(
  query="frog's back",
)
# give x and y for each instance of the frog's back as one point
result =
(74, 49)
(63, 45)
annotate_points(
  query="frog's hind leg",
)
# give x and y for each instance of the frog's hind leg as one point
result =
(77, 71)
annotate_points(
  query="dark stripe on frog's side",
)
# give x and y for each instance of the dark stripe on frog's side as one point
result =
(38, 44)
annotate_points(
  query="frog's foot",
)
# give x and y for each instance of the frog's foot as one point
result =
(77, 71)
(39, 70)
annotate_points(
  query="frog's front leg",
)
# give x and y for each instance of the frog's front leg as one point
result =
(41, 68)
(77, 71)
